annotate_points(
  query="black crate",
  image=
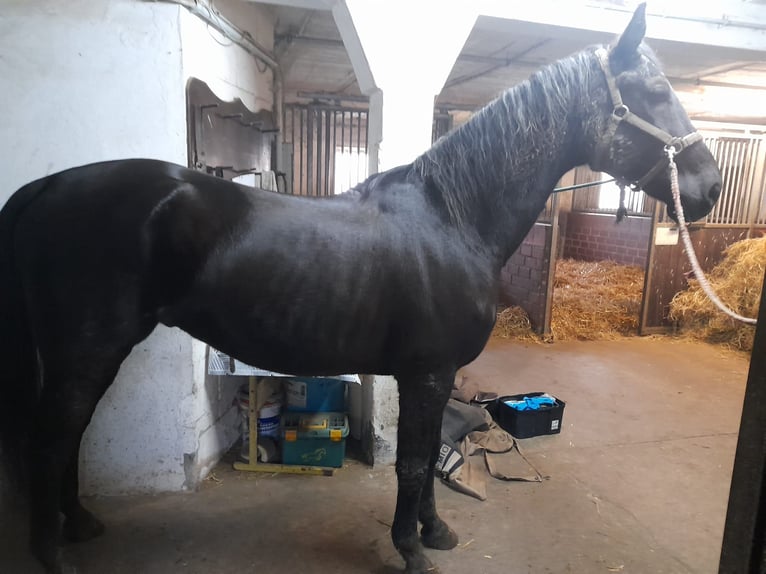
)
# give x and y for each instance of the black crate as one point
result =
(525, 424)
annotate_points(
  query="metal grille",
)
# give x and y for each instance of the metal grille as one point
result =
(327, 146)
(743, 195)
(742, 161)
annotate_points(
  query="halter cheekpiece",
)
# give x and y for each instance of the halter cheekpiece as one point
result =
(621, 113)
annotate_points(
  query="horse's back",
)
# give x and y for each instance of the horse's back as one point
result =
(101, 237)
(248, 269)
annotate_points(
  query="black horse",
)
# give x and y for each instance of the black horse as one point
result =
(398, 276)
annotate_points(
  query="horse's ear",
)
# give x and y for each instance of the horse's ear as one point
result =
(626, 48)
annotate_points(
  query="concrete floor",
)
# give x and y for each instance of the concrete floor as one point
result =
(639, 484)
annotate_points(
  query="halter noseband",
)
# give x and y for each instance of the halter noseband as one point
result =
(621, 113)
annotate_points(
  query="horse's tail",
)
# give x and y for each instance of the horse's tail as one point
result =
(18, 352)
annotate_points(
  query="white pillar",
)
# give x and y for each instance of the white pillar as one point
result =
(402, 53)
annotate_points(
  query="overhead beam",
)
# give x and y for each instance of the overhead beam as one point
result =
(727, 23)
(304, 39)
(353, 43)
(286, 53)
(713, 84)
(728, 67)
(307, 4)
(503, 64)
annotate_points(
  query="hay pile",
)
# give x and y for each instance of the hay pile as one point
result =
(591, 301)
(737, 280)
(513, 323)
(595, 300)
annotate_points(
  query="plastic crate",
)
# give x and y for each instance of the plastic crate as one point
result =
(314, 394)
(314, 439)
(526, 424)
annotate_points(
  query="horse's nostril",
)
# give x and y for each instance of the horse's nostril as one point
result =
(715, 191)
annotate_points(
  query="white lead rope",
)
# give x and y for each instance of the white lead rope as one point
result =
(699, 275)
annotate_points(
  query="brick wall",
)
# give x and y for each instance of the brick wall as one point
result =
(524, 278)
(595, 237)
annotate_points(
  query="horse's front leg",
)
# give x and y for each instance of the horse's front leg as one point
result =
(435, 533)
(421, 406)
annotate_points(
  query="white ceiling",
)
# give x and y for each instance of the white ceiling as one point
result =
(500, 53)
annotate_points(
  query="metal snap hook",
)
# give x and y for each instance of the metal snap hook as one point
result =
(676, 144)
(671, 150)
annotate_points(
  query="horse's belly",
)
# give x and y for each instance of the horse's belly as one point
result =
(316, 341)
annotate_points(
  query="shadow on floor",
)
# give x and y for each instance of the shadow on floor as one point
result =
(639, 483)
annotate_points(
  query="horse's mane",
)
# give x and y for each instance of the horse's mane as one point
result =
(509, 132)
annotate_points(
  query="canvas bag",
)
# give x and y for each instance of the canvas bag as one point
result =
(468, 430)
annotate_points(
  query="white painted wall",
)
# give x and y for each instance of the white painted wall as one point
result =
(86, 81)
(228, 70)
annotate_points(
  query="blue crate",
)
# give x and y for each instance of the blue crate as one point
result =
(315, 394)
(314, 439)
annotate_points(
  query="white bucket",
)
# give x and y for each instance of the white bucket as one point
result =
(268, 419)
(268, 415)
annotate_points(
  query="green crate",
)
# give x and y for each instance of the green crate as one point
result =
(314, 439)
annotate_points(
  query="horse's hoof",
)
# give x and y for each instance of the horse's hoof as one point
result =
(65, 569)
(82, 526)
(419, 564)
(441, 538)
(50, 558)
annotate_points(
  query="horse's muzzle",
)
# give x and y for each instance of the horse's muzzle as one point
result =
(714, 194)
(695, 210)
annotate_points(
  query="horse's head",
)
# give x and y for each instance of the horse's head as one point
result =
(642, 117)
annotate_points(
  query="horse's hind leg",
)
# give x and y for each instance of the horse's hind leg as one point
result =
(79, 524)
(75, 377)
(421, 405)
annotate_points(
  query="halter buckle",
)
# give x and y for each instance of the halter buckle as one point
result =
(620, 111)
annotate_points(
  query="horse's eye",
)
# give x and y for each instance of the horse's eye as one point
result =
(659, 90)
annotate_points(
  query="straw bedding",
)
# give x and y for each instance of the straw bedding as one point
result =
(591, 301)
(602, 300)
(737, 280)
(595, 300)
(513, 323)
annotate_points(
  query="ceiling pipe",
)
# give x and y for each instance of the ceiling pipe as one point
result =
(299, 37)
(205, 12)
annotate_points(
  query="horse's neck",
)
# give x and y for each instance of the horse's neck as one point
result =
(497, 171)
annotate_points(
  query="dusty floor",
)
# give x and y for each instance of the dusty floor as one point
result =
(639, 484)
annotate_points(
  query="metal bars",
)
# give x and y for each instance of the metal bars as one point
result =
(329, 148)
(743, 194)
(742, 161)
